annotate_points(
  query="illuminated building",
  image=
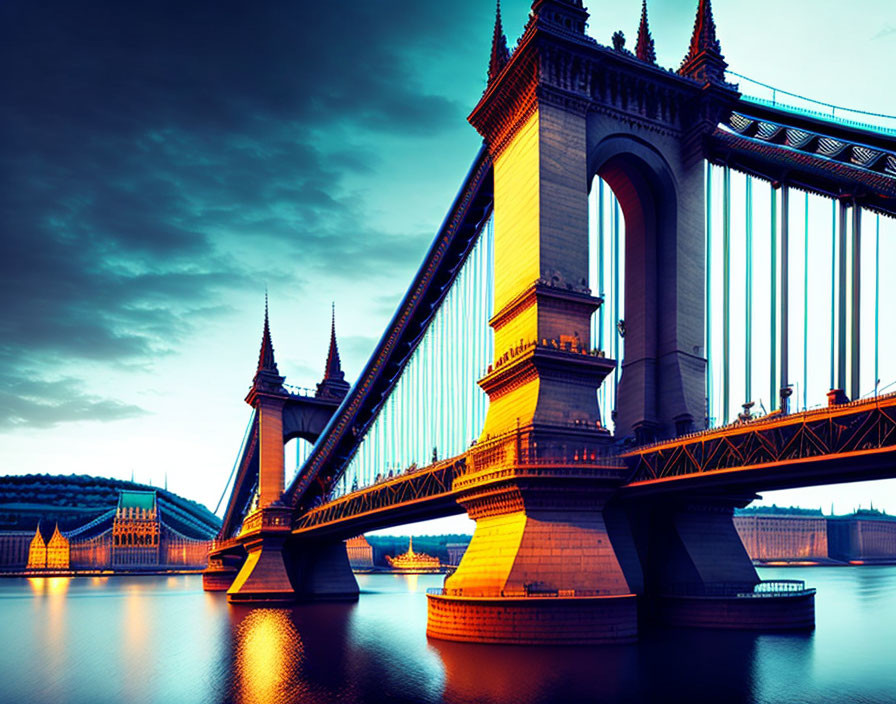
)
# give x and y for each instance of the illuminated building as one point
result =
(414, 561)
(135, 530)
(15, 547)
(37, 551)
(360, 553)
(58, 551)
(776, 534)
(48, 553)
(866, 536)
(99, 524)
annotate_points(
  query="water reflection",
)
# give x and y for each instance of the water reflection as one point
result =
(148, 640)
(135, 642)
(691, 666)
(268, 657)
(411, 581)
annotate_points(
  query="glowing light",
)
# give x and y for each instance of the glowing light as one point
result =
(58, 585)
(269, 655)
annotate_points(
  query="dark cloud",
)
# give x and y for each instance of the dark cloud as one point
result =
(42, 404)
(158, 159)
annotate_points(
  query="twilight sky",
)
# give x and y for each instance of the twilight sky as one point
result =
(162, 162)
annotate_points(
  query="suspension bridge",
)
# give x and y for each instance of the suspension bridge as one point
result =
(578, 362)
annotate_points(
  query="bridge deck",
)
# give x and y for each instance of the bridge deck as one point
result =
(848, 442)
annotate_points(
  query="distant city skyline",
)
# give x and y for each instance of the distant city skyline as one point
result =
(164, 168)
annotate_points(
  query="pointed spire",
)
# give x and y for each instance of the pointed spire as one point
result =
(267, 377)
(333, 385)
(704, 61)
(704, 36)
(645, 49)
(334, 364)
(500, 54)
(266, 360)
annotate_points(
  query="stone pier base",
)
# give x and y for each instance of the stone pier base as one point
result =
(280, 569)
(788, 612)
(543, 620)
(220, 573)
(263, 578)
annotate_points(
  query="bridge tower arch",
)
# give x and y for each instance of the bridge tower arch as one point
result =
(662, 386)
(558, 110)
(263, 563)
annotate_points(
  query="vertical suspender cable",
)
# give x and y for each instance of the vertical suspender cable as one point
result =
(877, 306)
(855, 326)
(748, 296)
(806, 303)
(708, 293)
(600, 261)
(841, 301)
(785, 291)
(773, 361)
(616, 310)
(833, 317)
(726, 291)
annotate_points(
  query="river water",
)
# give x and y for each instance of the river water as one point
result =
(162, 639)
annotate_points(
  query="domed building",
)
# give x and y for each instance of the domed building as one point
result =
(81, 523)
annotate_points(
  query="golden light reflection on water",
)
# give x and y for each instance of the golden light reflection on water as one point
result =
(411, 581)
(58, 585)
(51, 586)
(136, 640)
(268, 657)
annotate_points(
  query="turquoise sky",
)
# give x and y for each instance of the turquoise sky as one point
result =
(163, 162)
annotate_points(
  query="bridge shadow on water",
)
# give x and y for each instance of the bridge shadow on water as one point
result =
(365, 653)
(664, 666)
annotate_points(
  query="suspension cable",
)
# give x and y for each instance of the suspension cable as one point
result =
(236, 462)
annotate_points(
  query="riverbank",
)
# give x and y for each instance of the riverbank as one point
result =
(98, 573)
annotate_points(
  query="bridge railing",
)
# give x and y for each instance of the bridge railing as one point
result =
(763, 589)
(299, 390)
(219, 545)
(771, 419)
(525, 593)
(518, 449)
(763, 93)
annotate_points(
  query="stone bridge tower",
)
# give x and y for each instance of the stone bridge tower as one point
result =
(559, 111)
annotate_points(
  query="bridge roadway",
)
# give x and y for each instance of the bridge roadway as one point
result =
(840, 443)
(782, 145)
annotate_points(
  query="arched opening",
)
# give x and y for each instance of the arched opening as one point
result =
(636, 268)
(295, 452)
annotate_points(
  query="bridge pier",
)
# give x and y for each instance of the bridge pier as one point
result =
(698, 573)
(282, 570)
(221, 571)
(264, 576)
(541, 567)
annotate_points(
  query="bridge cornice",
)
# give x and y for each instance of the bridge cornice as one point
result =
(771, 452)
(825, 160)
(543, 289)
(555, 67)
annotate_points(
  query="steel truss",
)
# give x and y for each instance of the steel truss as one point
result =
(835, 433)
(423, 486)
